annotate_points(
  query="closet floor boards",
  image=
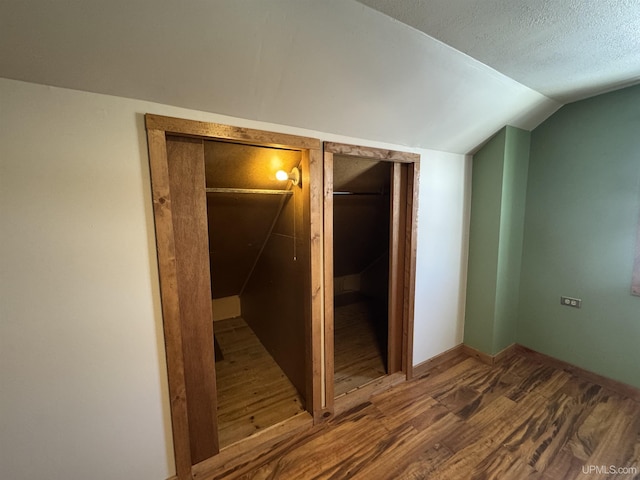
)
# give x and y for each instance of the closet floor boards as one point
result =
(253, 392)
(520, 419)
(357, 358)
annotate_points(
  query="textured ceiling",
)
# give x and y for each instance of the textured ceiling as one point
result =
(564, 49)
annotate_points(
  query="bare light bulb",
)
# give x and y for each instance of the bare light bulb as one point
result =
(294, 176)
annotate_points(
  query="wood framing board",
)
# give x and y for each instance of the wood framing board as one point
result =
(170, 304)
(396, 269)
(314, 223)
(328, 284)
(370, 152)
(410, 253)
(193, 128)
(185, 157)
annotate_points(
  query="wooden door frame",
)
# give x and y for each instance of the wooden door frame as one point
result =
(158, 127)
(402, 278)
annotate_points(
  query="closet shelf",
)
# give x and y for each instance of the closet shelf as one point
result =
(360, 193)
(260, 191)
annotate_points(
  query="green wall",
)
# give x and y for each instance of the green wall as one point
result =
(582, 205)
(495, 244)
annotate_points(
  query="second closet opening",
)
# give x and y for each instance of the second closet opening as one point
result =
(361, 233)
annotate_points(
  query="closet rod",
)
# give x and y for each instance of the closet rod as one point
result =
(249, 190)
(360, 193)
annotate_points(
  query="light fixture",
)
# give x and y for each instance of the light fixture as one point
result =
(294, 175)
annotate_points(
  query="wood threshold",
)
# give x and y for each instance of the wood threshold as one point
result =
(236, 456)
(362, 394)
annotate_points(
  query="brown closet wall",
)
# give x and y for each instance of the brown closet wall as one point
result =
(251, 239)
(273, 299)
(361, 222)
(239, 223)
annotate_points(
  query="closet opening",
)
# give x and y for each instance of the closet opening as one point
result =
(369, 269)
(361, 217)
(256, 251)
(241, 284)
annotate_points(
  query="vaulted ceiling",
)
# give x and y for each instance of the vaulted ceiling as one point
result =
(334, 66)
(564, 49)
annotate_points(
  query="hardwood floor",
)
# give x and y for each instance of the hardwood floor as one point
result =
(253, 392)
(358, 356)
(520, 419)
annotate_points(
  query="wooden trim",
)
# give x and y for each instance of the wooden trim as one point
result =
(424, 367)
(505, 354)
(170, 303)
(186, 167)
(614, 385)
(411, 251)
(370, 152)
(236, 457)
(490, 359)
(397, 224)
(328, 283)
(478, 355)
(635, 285)
(191, 128)
(362, 394)
(312, 177)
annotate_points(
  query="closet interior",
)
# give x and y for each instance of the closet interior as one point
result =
(258, 278)
(361, 236)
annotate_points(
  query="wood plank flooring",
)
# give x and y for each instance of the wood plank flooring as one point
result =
(520, 419)
(358, 356)
(253, 392)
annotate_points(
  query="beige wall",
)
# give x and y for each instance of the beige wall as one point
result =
(82, 367)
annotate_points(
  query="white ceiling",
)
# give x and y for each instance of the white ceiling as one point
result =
(334, 66)
(564, 49)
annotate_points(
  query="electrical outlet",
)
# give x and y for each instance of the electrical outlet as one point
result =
(571, 302)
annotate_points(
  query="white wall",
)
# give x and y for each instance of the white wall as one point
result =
(443, 221)
(83, 390)
(332, 65)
